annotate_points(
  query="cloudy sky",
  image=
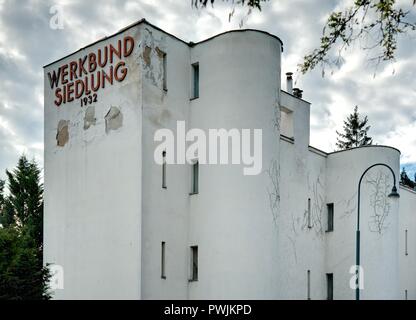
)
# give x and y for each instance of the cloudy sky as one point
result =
(27, 43)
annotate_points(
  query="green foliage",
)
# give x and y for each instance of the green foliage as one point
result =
(22, 275)
(249, 3)
(355, 132)
(376, 24)
(25, 199)
(405, 180)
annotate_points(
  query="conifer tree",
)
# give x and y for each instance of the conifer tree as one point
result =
(355, 132)
(22, 274)
(405, 180)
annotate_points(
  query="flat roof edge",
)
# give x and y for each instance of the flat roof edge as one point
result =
(368, 146)
(293, 96)
(134, 24)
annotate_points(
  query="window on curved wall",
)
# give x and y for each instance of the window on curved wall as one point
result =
(286, 123)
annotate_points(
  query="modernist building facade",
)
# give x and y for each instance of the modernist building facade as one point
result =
(123, 226)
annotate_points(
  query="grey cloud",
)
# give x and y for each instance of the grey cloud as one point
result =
(388, 101)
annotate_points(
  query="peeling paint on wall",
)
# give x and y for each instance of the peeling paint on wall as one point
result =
(89, 118)
(146, 55)
(152, 55)
(113, 119)
(62, 135)
(159, 52)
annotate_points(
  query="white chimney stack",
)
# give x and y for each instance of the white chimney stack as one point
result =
(289, 82)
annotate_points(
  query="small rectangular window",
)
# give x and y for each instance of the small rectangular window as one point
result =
(164, 62)
(195, 177)
(405, 243)
(195, 80)
(194, 263)
(163, 261)
(309, 214)
(164, 170)
(309, 285)
(286, 123)
(330, 212)
(330, 286)
(405, 294)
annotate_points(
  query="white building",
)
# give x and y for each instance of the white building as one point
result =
(118, 232)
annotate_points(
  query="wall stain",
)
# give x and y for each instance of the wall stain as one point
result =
(89, 118)
(62, 135)
(113, 119)
(146, 55)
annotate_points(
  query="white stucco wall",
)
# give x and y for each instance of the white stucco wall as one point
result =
(230, 218)
(93, 188)
(407, 221)
(106, 212)
(165, 211)
(379, 247)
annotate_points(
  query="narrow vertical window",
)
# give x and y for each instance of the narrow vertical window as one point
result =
(194, 263)
(195, 177)
(405, 294)
(195, 80)
(163, 261)
(330, 212)
(309, 284)
(164, 170)
(309, 214)
(405, 243)
(330, 286)
(164, 65)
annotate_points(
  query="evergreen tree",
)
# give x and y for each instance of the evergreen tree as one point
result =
(1, 200)
(22, 274)
(25, 200)
(405, 180)
(355, 132)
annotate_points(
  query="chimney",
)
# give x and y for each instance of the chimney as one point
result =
(297, 92)
(289, 82)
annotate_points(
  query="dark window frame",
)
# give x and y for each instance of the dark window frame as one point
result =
(164, 182)
(163, 260)
(330, 286)
(194, 263)
(195, 80)
(330, 217)
(195, 178)
(165, 71)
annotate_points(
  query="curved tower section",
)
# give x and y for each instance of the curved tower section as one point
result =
(231, 219)
(379, 218)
